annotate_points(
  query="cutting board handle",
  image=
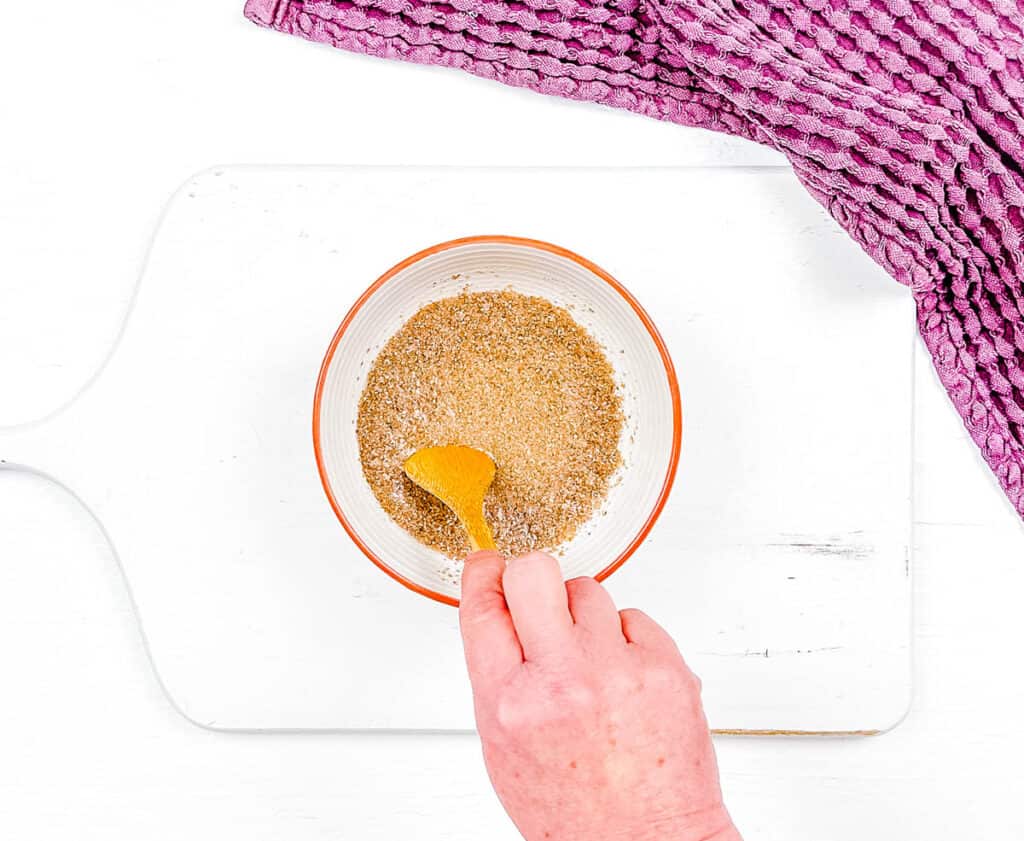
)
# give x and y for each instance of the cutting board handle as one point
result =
(45, 446)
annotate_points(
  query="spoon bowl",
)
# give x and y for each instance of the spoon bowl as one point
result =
(459, 477)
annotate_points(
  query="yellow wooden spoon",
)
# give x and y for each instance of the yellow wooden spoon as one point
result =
(459, 477)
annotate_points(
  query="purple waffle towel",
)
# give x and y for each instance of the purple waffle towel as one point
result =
(904, 118)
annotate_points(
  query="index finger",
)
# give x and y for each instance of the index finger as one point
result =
(488, 635)
(539, 605)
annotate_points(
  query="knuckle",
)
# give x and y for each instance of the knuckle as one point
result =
(510, 714)
(481, 610)
(622, 683)
(573, 698)
(670, 677)
(559, 704)
(483, 602)
(518, 716)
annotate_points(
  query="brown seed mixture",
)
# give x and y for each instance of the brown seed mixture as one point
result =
(509, 374)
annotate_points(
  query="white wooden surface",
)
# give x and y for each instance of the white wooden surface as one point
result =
(782, 557)
(90, 747)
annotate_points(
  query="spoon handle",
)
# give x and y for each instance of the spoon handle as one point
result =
(479, 532)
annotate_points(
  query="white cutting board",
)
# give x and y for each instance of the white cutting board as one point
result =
(781, 563)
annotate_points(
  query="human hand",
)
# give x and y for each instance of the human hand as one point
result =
(591, 723)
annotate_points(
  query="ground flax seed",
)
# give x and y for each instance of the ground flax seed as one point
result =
(509, 374)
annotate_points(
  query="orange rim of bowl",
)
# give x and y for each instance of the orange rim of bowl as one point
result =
(645, 319)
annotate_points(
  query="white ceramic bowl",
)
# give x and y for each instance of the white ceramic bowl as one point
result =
(650, 440)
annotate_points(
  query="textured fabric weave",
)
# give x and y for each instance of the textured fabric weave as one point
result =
(904, 118)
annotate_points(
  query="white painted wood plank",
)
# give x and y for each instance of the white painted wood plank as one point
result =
(781, 561)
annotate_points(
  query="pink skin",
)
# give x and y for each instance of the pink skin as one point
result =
(591, 723)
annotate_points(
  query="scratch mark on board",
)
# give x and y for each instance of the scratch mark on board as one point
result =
(848, 548)
(770, 652)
